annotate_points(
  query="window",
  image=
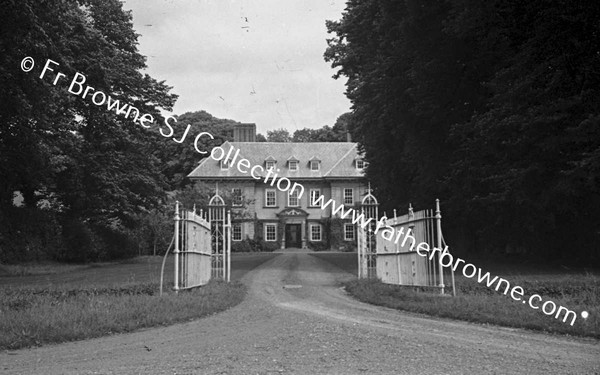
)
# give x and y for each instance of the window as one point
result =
(270, 164)
(313, 196)
(236, 232)
(237, 197)
(314, 165)
(224, 165)
(349, 196)
(270, 232)
(293, 200)
(360, 164)
(315, 232)
(270, 198)
(293, 165)
(348, 232)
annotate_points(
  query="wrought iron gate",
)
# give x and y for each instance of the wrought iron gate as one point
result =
(202, 244)
(366, 237)
(220, 224)
(398, 263)
(192, 249)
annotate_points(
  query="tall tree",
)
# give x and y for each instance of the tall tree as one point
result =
(180, 157)
(406, 81)
(96, 166)
(278, 135)
(342, 126)
(303, 135)
(529, 164)
(489, 104)
(325, 134)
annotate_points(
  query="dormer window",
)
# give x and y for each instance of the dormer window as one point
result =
(360, 163)
(293, 164)
(270, 163)
(315, 164)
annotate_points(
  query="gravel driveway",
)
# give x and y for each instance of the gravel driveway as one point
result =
(296, 319)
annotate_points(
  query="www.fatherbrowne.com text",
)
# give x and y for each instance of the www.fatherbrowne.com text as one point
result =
(446, 259)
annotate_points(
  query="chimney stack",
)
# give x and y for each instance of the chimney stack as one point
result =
(244, 132)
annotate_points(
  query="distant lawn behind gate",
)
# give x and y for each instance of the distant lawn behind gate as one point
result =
(56, 303)
(137, 270)
(576, 289)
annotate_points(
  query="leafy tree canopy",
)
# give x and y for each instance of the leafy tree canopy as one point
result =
(92, 165)
(278, 135)
(180, 157)
(490, 106)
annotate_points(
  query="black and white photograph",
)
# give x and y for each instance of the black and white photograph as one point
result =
(299, 187)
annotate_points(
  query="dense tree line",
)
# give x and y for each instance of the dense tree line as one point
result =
(84, 172)
(490, 106)
(79, 182)
(337, 133)
(180, 158)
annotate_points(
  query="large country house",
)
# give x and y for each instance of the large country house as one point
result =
(332, 169)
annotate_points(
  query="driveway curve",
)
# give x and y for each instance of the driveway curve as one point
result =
(296, 319)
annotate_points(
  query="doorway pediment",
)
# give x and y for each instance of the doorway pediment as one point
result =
(292, 212)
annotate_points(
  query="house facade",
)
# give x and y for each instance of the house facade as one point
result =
(332, 169)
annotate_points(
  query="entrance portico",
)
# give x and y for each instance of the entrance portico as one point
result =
(294, 224)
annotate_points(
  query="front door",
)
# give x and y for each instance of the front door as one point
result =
(293, 232)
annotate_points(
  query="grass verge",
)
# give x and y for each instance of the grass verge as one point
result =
(45, 268)
(477, 303)
(36, 316)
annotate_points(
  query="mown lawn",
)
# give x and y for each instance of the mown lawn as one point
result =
(144, 269)
(103, 299)
(575, 289)
(35, 316)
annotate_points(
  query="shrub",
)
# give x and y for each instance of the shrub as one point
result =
(79, 243)
(335, 231)
(115, 244)
(28, 234)
(254, 244)
(348, 246)
(241, 246)
(269, 246)
(318, 246)
(258, 244)
(85, 243)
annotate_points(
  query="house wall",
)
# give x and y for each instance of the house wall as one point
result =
(254, 193)
(337, 189)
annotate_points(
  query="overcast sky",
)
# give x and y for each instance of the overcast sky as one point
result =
(251, 61)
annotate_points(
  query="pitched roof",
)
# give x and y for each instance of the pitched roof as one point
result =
(337, 160)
